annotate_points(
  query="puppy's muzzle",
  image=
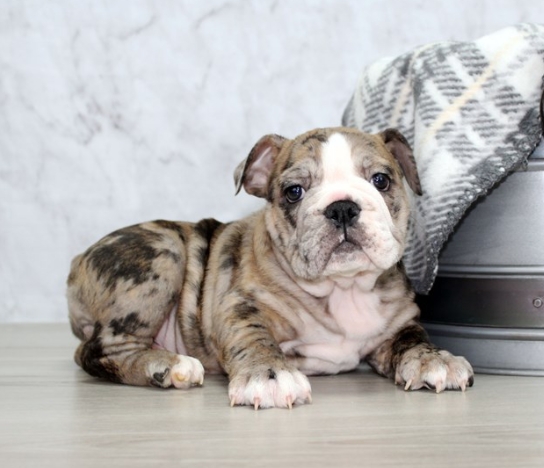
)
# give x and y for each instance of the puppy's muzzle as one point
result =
(342, 214)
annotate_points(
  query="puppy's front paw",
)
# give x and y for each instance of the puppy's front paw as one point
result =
(434, 369)
(267, 388)
(183, 373)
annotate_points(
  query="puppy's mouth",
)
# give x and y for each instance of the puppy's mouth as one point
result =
(346, 246)
(346, 258)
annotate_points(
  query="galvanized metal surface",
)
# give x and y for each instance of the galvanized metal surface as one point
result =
(487, 302)
(508, 351)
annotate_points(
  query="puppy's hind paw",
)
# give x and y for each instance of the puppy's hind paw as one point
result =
(185, 373)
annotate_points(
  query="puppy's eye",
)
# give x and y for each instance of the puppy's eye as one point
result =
(381, 181)
(294, 193)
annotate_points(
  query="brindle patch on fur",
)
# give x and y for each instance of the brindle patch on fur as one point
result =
(172, 226)
(207, 227)
(408, 338)
(230, 251)
(388, 280)
(152, 292)
(176, 258)
(391, 199)
(93, 359)
(238, 353)
(128, 325)
(245, 311)
(321, 137)
(129, 256)
(289, 210)
(203, 254)
(395, 209)
(195, 339)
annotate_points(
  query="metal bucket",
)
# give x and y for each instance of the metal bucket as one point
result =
(487, 303)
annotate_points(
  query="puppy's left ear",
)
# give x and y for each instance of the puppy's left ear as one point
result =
(254, 171)
(400, 149)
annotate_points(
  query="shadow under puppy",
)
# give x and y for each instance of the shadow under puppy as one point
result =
(311, 284)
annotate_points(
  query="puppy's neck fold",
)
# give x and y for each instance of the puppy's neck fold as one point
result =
(363, 282)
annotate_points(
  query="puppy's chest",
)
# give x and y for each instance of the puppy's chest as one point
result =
(357, 314)
(336, 339)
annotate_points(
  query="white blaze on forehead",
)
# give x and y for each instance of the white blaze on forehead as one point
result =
(336, 158)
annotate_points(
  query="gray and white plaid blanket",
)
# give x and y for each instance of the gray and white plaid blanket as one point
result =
(470, 110)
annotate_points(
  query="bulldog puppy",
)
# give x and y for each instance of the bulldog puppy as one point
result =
(311, 284)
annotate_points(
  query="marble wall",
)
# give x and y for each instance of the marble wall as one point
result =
(115, 112)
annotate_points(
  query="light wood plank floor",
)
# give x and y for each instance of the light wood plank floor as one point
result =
(53, 414)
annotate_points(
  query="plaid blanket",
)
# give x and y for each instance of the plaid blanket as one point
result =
(470, 110)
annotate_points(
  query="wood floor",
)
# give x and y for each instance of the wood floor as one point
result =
(53, 414)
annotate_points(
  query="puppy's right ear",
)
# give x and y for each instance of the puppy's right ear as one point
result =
(254, 171)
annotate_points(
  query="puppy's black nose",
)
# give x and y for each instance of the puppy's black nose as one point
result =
(342, 213)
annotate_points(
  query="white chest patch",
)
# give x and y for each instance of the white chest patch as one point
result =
(356, 312)
(338, 342)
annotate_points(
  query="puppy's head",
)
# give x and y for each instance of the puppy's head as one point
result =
(337, 205)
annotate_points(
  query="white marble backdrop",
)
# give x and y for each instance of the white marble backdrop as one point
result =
(114, 112)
